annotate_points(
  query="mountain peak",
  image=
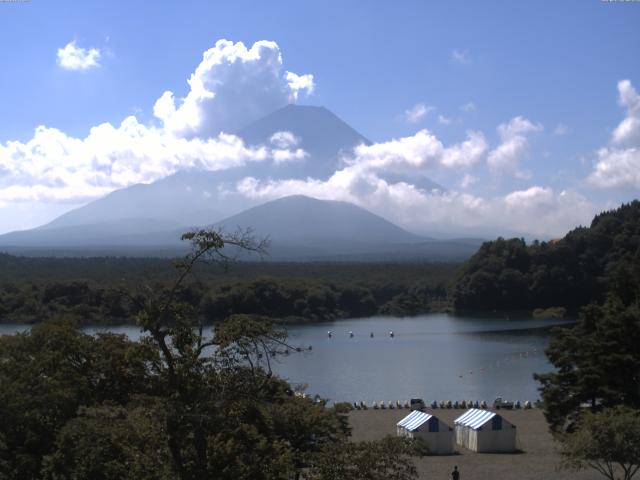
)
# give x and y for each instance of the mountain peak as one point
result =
(303, 219)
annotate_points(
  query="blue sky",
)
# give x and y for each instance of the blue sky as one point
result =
(556, 64)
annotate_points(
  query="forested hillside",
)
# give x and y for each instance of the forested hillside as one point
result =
(110, 290)
(581, 268)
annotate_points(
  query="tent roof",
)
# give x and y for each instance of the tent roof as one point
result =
(474, 418)
(414, 420)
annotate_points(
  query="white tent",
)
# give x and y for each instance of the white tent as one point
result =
(485, 431)
(437, 435)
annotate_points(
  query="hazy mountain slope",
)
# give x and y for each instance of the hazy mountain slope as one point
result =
(184, 198)
(300, 228)
(131, 231)
(321, 134)
(155, 214)
(304, 220)
(196, 197)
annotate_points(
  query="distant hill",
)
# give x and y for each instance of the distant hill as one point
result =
(298, 219)
(303, 228)
(299, 227)
(583, 267)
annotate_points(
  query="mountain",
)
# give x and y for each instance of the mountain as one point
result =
(299, 228)
(298, 219)
(198, 197)
(319, 132)
(153, 215)
(304, 228)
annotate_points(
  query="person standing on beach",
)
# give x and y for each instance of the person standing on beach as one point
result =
(455, 475)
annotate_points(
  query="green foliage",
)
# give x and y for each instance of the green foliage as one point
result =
(607, 441)
(384, 460)
(106, 291)
(597, 364)
(109, 442)
(175, 404)
(571, 272)
(51, 371)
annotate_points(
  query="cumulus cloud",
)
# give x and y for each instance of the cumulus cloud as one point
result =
(536, 211)
(618, 165)
(422, 151)
(514, 147)
(617, 168)
(628, 131)
(468, 180)
(416, 113)
(55, 167)
(232, 86)
(299, 83)
(73, 57)
(284, 140)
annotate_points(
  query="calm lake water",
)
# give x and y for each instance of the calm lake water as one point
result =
(435, 357)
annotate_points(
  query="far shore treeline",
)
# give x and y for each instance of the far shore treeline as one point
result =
(109, 290)
(557, 278)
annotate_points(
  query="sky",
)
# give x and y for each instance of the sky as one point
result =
(528, 113)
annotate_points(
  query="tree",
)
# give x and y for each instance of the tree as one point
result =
(388, 459)
(226, 414)
(597, 364)
(607, 441)
(177, 404)
(109, 442)
(47, 374)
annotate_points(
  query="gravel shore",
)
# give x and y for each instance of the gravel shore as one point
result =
(538, 459)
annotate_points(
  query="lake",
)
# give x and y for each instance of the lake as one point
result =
(434, 356)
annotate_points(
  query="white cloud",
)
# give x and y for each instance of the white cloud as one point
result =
(618, 165)
(467, 181)
(232, 86)
(506, 157)
(286, 156)
(284, 148)
(460, 56)
(284, 140)
(416, 113)
(444, 120)
(617, 168)
(422, 151)
(536, 211)
(55, 167)
(299, 83)
(72, 57)
(628, 131)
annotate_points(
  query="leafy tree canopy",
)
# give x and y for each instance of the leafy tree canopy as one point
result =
(571, 272)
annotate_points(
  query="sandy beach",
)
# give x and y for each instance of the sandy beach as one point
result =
(538, 459)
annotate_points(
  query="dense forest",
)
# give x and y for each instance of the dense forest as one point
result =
(111, 290)
(177, 404)
(581, 268)
(504, 275)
